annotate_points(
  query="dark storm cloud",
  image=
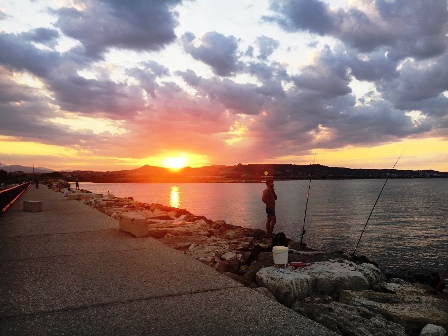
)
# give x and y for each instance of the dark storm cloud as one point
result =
(267, 46)
(147, 74)
(59, 72)
(10, 92)
(327, 75)
(16, 52)
(417, 82)
(321, 100)
(216, 50)
(408, 28)
(190, 77)
(26, 113)
(271, 77)
(97, 97)
(42, 35)
(240, 98)
(3, 16)
(376, 123)
(421, 26)
(139, 24)
(310, 15)
(372, 68)
(304, 118)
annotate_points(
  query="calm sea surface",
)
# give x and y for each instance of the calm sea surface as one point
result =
(408, 228)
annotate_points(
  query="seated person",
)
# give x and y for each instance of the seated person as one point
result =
(66, 192)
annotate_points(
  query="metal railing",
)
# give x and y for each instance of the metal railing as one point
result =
(10, 195)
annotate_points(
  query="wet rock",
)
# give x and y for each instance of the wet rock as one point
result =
(231, 266)
(228, 256)
(433, 330)
(427, 277)
(346, 319)
(157, 233)
(326, 277)
(387, 287)
(412, 306)
(163, 217)
(252, 270)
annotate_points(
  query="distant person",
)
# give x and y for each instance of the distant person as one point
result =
(77, 185)
(37, 183)
(269, 198)
(66, 192)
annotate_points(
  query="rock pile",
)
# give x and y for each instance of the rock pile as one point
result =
(350, 297)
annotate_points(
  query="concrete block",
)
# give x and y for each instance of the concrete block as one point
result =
(32, 206)
(135, 225)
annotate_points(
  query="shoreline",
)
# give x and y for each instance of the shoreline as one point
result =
(227, 248)
(333, 222)
(175, 212)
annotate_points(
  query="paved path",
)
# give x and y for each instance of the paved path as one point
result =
(69, 270)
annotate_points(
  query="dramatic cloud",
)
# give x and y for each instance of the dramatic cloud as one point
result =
(18, 53)
(137, 79)
(310, 15)
(406, 28)
(215, 50)
(138, 24)
(267, 46)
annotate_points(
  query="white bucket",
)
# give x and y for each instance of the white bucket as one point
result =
(280, 255)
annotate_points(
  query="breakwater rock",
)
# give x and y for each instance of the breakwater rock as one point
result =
(329, 277)
(350, 297)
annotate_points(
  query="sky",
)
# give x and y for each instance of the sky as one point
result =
(112, 85)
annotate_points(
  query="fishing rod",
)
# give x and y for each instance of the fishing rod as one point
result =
(374, 205)
(306, 206)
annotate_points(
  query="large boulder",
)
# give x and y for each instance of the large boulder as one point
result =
(327, 278)
(433, 330)
(412, 305)
(345, 319)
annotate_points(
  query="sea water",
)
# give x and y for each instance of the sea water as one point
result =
(407, 228)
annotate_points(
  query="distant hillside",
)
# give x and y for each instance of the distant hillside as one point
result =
(26, 169)
(249, 173)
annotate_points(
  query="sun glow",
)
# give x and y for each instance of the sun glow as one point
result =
(175, 197)
(175, 163)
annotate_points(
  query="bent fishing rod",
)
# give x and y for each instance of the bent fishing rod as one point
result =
(306, 205)
(374, 205)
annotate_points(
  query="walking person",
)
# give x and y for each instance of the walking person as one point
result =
(269, 198)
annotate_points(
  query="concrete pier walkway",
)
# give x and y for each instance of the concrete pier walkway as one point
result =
(69, 270)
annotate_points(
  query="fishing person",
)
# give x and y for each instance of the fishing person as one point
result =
(269, 198)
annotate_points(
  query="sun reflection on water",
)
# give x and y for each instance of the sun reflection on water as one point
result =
(174, 197)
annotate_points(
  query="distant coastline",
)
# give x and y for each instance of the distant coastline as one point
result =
(250, 173)
(240, 173)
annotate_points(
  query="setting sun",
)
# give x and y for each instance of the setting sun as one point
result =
(177, 162)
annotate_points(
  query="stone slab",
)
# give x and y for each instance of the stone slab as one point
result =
(134, 224)
(324, 278)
